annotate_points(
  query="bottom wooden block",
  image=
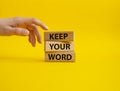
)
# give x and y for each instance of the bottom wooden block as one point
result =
(60, 56)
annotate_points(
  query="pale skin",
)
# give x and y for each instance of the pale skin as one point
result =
(22, 27)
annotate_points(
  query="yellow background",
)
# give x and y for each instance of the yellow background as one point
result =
(96, 24)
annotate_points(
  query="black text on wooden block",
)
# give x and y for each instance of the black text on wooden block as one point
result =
(60, 56)
(58, 36)
(59, 46)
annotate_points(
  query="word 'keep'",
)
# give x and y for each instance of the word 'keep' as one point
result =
(56, 36)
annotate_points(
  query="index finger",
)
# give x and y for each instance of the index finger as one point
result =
(36, 22)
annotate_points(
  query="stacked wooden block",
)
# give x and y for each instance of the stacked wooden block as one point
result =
(59, 46)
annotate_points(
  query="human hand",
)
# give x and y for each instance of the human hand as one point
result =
(23, 27)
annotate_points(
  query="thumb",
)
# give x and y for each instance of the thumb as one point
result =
(20, 31)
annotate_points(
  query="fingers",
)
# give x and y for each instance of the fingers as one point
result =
(18, 31)
(28, 26)
(30, 30)
(39, 23)
(32, 38)
(36, 32)
(29, 21)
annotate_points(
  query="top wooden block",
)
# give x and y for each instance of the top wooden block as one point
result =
(59, 36)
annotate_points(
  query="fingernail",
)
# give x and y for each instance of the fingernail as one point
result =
(26, 32)
(40, 41)
(33, 45)
(47, 27)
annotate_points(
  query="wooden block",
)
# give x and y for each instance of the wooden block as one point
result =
(59, 36)
(60, 56)
(59, 46)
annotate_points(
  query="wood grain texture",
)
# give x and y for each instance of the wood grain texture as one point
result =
(60, 56)
(59, 36)
(59, 46)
